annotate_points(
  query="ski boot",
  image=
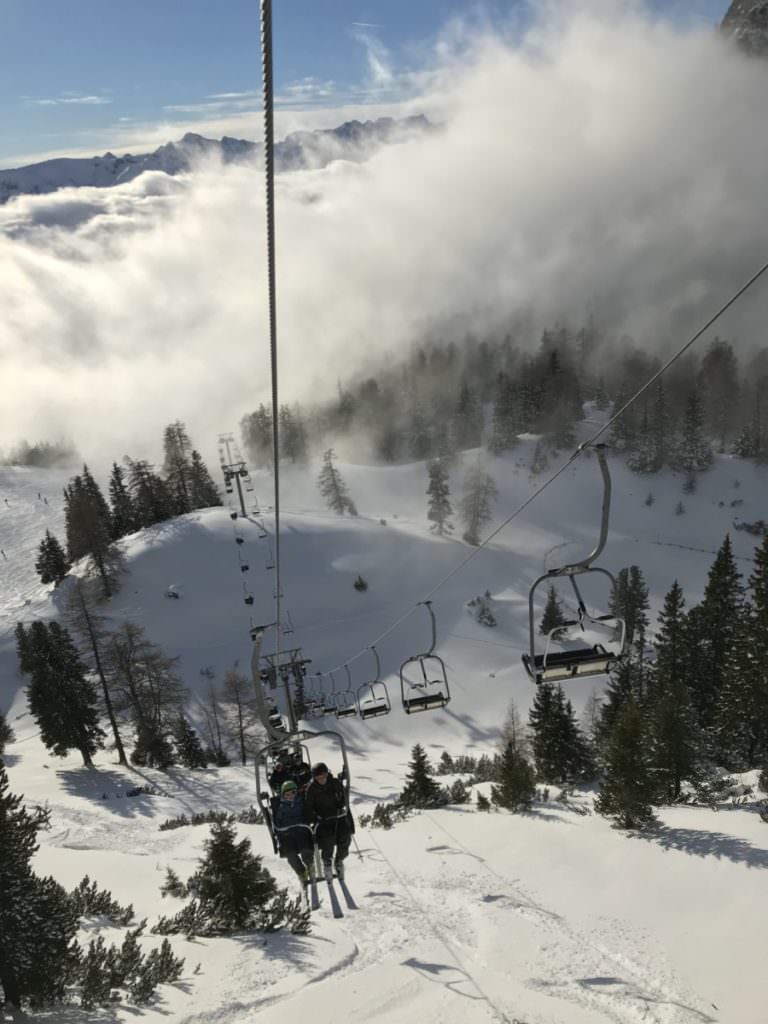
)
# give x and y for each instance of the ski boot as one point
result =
(339, 865)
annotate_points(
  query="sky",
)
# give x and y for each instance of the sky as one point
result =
(84, 77)
(594, 165)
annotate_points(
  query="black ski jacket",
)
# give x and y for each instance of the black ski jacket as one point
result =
(326, 801)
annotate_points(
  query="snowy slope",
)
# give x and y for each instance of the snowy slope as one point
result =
(546, 917)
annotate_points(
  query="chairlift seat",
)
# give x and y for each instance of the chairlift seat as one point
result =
(427, 702)
(346, 712)
(373, 709)
(586, 661)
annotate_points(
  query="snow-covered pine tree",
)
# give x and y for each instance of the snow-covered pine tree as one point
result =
(333, 488)
(516, 787)
(420, 789)
(627, 790)
(188, 745)
(82, 618)
(123, 514)
(203, 492)
(553, 615)
(673, 732)
(177, 449)
(693, 453)
(476, 506)
(38, 923)
(439, 509)
(62, 700)
(52, 564)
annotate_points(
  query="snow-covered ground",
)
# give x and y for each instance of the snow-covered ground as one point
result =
(551, 917)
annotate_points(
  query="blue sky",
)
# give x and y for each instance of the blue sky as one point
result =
(83, 76)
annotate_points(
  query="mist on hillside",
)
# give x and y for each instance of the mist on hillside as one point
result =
(604, 169)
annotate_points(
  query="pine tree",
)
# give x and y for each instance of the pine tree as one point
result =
(52, 564)
(717, 632)
(230, 883)
(123, 513)
(505, 417)
(89, 528)
(627, 682)
(468, 419)
(693, 454)
(553, 616)
(333, 488)
(421, 790)
(61, 699)
(294, 445)
(516, 788)
(718, 382)
(629, 601)
(177, 449)
(203, 492)
(240, 713)
(6, 733)
(476, 506)
(188, 745)
(628, 788)
(673, 733)
(539, 462)
(151, 497)
(624, 432)
(256, 430)
(82, 619)
(38, 924)
(560, 751)
(741, 719)
(439, 510)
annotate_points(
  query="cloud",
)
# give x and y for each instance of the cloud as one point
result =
(88, 101)
(610, 167)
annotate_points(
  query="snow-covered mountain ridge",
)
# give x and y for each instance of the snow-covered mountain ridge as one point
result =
(747, 22)
(353, 140)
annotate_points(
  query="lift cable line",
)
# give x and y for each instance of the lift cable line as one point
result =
(269, 175)
(559, 472)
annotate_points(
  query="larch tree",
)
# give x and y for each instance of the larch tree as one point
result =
(439, 509)
(476, 506)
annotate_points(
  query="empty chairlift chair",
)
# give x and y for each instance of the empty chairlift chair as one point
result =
(346, 703)
(329, 699)
(423, 679)
(373, 698)
(550, 666)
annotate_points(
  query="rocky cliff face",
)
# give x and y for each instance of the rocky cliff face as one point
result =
(747, 22)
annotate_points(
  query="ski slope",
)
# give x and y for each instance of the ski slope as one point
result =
(550, 917)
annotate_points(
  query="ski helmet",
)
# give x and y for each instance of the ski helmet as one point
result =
(321, 768)
(287, 786)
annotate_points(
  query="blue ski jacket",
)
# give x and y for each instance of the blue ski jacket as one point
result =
(290, 812)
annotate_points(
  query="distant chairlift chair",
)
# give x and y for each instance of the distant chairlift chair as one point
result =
(373, 698)
(553, 666)
(423, 679)
(346, 704)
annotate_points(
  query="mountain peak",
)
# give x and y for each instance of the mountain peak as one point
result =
(747, 22)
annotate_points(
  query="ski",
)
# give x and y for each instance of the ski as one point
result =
(314, 898)
(335, 905)
(347, 894)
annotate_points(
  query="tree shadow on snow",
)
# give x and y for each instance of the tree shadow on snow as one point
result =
(700, 843)
(448, 975)
(108, 789)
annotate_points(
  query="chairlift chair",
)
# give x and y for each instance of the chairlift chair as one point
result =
(330, 699)
(270, 561)
(346, 705)
(429, 690)
(554, 666)
(373, 697)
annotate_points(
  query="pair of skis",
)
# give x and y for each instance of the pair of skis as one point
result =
(311, 898)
